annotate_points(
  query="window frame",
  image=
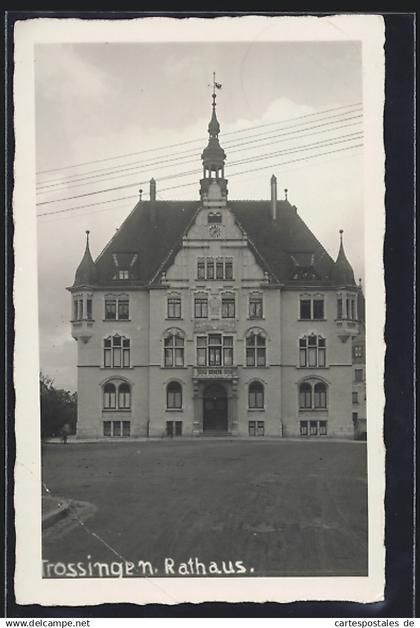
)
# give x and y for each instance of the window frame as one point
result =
(313, 396)
(120, 308)
(255, 350)
(112, 349)
(173, 348)
(174, 397)
(310, 300)
(312, 354)
(175, 302)
(256, 396)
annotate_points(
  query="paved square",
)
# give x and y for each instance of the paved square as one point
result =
(283, 508)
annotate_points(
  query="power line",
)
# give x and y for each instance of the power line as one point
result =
(68, 209)
(234, 148)
(176, 175)
(148, 150)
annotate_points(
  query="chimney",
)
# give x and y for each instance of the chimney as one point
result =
(274, 197)
(152, 189)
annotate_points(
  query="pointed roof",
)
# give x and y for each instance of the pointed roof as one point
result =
(86, 271)
(213, 151)
(342, 273)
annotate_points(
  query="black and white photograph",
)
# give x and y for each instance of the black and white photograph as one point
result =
(199, 229)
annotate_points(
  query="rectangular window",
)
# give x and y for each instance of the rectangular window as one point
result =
(304, 428)
(210, 269)
(89, 309)
(110, 309)
(174, 307)
(355, 397)
(123, 309)
(123, 274)
(305, 309)
(260, 356)
(201, 270)
(219, 269)
(228, 270)
(80, 309)
(250, 357)
(339, 308)
(228, 308)
(169, 428)
(75, 310)
(116, 426)
(358, 351)
(126, 428)
(355, 417)
(174, 399)
(200, 308)
(107, 428)
(358, 375)
(178, 428)
(313, 428)
(252, 428)
(228, 350)
(260, 428)
(318, 309)
(323, 428)
(202, 351)
(255, 307)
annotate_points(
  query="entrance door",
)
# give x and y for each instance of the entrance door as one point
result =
(215, 409)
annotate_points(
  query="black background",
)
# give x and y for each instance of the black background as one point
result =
(399, 280)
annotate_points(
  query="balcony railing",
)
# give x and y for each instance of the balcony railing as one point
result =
(347, 326)
(216, 372)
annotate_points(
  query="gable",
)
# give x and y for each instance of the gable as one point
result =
(154, 233)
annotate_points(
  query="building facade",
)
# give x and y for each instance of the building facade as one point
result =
(217, 317)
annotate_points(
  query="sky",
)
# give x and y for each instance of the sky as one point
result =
(102, 108)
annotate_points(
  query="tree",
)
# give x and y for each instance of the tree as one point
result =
(58, 408)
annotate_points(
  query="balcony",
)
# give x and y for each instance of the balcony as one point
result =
(82, 329)
(215, 372)
(347, 327)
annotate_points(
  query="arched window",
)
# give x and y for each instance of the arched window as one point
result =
(174, 396)
(109, 397)
(256, 396)
(124, 396)
(320, 395)
(305, 396)
(117, 352)
(255, 350)
(174, 350)
(312, 351)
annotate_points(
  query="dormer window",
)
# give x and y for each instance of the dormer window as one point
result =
(124, 266)
(123, 274)
(214, 217)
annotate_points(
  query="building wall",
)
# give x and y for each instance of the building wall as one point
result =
(148, 324)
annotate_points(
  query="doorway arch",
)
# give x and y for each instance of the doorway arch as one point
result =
(215, 408)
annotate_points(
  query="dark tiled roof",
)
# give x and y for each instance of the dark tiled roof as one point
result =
(342, 273)
(154, 231)
(86, 271)
(151, 230)
(279, 240)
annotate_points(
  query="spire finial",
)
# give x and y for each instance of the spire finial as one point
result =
(360, 282)
(341, 236)
(140, 193)
(87, 237)
(285, 193)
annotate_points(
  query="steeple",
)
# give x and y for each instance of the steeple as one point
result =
(86, 271)
(342, 272)
(213, 185)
